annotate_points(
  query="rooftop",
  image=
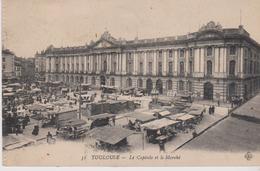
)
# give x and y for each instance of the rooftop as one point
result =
(111, 42)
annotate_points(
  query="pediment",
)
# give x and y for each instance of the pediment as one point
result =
(103, 44)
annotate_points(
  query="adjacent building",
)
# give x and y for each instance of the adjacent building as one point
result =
(40, 66)
(214, 63)
(16, 69)
(11, 66)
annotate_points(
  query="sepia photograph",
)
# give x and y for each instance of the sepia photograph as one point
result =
(130, 83)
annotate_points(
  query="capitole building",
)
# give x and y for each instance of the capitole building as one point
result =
(212, 63)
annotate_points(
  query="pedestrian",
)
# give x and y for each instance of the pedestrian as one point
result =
(210, 110)
(162, 146)
(35, 130)
(218, 103)
(17, 129)
(49, 137)
(24, 123)
(194, 134)
(213, 109)
(114, 121)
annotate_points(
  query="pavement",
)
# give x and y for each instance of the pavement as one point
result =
(13, 141)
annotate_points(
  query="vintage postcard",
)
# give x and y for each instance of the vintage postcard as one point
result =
(130, 83)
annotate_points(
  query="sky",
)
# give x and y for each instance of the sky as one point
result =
(32, 25)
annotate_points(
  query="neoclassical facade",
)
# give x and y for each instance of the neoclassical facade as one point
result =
(214, 63)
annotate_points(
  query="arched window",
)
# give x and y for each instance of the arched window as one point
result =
(129, 82)
(112, 82)
(232, 67)
(169, 85)
(81, 79)
(57, 78)
(68, 79)
(140, 83)
(181, 85)
(181, 68)
(93, 81)
(189, 86)
(209, 67)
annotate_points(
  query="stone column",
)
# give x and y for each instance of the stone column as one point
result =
(241, 61)
(145, 62)
(175, 62)
(202, 62)
(124, 63)
(155, 62)
(164, 63)
(135, 63)
(186, 61)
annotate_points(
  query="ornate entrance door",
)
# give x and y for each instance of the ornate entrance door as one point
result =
(208, 91)
(149, 86)
(102, 80)
(159, 86)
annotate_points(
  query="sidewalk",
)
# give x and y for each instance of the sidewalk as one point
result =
(13, 141)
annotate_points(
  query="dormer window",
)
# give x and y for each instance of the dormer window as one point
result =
(232, 50)
(209, 51)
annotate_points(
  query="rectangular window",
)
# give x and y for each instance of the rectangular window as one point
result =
(3, 59)
(245, 66)
(190, 67)
(170, 53)
(160, 68)
(191, 52)
(150, 68)
(141, 68)
(181, 53)
(160, 54)
(170, 67)
(232, 50)
(3, 66)
(209, 51)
